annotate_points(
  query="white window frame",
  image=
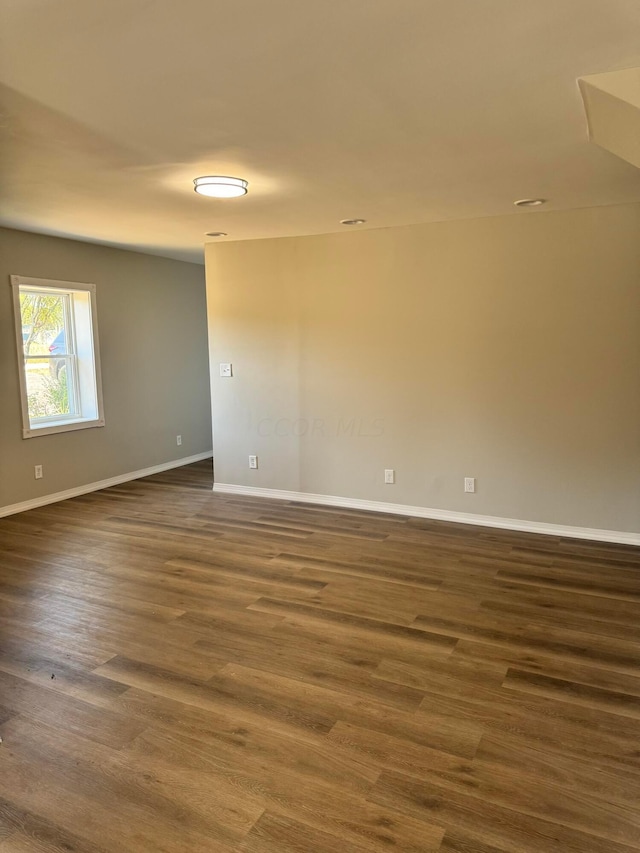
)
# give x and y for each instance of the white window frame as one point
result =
(64, 423)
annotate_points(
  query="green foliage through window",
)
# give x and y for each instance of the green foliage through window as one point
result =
(42, 319)
(45, 321)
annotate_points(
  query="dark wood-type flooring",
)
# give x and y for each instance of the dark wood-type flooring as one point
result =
(184, 671)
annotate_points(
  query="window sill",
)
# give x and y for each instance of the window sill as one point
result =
(61, 426)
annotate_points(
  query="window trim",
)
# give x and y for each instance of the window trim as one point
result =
(63, 424)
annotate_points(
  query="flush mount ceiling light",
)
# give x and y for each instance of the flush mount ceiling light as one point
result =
(216, 234)
(220, 186)
(352, 221)
(530, 202)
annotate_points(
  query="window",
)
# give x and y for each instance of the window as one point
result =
(59, 363)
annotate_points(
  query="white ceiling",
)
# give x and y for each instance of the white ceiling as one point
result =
(397, 111)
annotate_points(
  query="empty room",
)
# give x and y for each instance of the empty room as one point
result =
(320, 433)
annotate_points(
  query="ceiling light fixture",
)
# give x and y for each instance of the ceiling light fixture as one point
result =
(530, 202)
(216, 234)
(352, 221)
(220, 186)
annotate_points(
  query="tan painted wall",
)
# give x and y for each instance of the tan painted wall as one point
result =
(152, 328)
(507, 349)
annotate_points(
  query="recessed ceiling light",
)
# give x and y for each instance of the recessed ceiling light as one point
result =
(352, 221)
(216, 234)
(530, 202)
(220, 186)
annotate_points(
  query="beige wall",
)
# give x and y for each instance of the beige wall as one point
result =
(507, 349)
(152, 328)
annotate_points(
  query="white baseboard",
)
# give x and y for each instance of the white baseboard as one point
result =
(617, 536)
(11, 509)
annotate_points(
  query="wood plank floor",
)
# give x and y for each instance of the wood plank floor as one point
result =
(184, 671)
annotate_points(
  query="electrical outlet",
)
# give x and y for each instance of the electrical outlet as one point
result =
(178, 440)
(469, 484)
(253, 462)
(389, 475)
(226, 370)
(37, 472)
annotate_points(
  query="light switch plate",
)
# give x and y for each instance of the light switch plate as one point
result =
(225, 370)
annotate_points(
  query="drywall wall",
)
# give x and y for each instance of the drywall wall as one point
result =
(506, 349)
(155, 371)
